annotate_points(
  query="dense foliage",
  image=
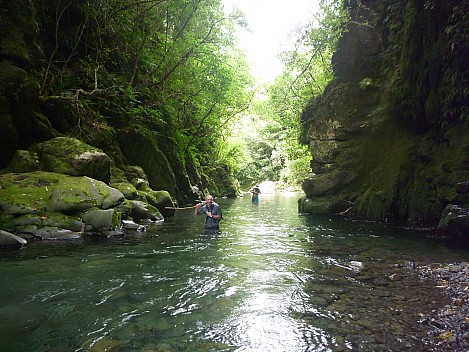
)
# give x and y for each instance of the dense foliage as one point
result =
(272, 138)
(167, 67)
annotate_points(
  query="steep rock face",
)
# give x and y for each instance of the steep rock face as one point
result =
(389, 136)
(21, 121)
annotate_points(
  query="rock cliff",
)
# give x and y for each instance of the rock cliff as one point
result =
(389, 136)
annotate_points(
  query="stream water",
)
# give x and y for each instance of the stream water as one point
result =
(271, 280)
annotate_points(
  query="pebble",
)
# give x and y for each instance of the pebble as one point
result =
(449, 325)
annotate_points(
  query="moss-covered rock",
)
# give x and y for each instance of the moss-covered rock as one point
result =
(102, 220)
(47, 226)
(161, 200)
(141, 211)
(47, 204)
(65, 156)
(72, 157)
(404, 142)
(127, 189)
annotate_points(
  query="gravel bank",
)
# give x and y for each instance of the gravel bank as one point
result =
(449, 325)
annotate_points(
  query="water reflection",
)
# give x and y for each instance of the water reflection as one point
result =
(269, 280)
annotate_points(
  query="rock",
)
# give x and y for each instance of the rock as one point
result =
(56, 220)
(72, 157)
(454, 225)
(326, 184)
(127, 189)
(10, 240)
(141, 211)
(83, 194)
(24, 161)
(132, 226)
(160, 200)
(102, 220)
(51, 233)
(39, 192)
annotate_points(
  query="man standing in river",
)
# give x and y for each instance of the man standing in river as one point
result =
(212, 211)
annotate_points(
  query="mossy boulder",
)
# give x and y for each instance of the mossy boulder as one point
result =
(44, 225)
(143, 211)
(72, 157)
(159, 199)
(48, 205)
(65, 156)
(102, 219)
(127, 189)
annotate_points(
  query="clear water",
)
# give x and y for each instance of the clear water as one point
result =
(272, 280)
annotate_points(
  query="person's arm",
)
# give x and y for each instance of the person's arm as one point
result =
(197, 207)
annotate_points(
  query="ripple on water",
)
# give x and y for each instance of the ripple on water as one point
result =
(270, 281)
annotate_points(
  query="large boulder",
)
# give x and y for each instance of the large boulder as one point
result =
(65, 156)
(102, 220)
(143, 211)
(40, 191)
(454, 225)
(159, 199)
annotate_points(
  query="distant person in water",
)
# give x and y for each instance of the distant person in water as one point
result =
(255, 195)
(212, 213)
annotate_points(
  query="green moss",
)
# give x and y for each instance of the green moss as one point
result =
(40, 191)
(385, 153)
(25, 193)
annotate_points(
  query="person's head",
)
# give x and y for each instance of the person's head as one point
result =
(209, 199)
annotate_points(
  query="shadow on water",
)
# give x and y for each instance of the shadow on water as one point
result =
(269, 280)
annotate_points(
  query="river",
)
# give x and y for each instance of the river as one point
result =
(271, 280)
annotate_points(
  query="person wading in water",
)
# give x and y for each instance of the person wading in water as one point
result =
(255, 195)
(212, 211)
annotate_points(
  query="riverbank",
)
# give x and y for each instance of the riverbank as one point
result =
(449, 325)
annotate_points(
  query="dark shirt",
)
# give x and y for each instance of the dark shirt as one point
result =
(210, 223)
